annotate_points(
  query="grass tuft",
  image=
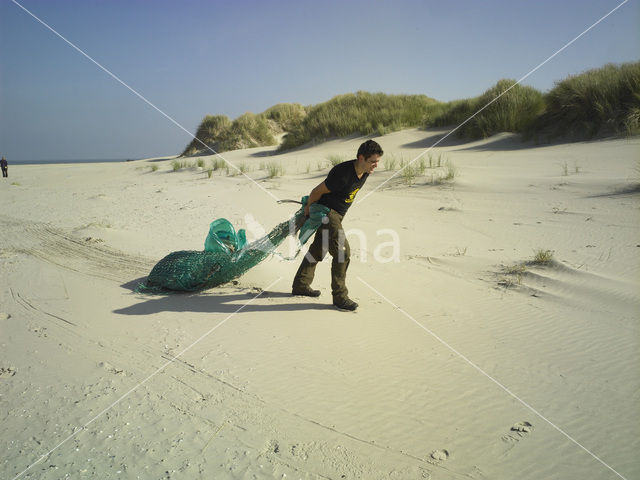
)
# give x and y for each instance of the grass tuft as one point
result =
(450, 170)
(542, 257)
(409, 174)
(442, 169)
(390, 161)
(513, 275)
(517, 269)
(335, 159)
(218, 164)
(275, 169)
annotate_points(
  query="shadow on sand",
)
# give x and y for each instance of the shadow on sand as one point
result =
(264, 153)
(619, 192)
(498, 142)
(212, 303)
(433, 137)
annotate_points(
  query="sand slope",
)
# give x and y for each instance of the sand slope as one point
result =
(460, 363)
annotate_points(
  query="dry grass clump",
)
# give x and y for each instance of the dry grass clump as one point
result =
(513, 274)
(542, 257)
(517, 269)
(409, 174)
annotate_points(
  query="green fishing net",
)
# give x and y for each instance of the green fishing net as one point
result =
(227, 255)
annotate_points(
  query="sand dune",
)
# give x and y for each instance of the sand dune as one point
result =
(464, 360)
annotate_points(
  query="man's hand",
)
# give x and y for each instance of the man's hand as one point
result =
(314, 196)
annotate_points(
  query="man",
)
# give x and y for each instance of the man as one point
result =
(337, 192)
(5, 167)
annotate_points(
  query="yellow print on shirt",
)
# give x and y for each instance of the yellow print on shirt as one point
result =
(352, 196)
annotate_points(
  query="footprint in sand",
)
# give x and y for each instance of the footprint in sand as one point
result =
(438, 456)
(273, 447)
(39, 331)
(110, 368)
(7, 372)
(518, 431)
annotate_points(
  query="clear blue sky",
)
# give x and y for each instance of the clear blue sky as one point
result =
(196, 57)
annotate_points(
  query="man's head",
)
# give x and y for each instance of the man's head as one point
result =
(368, 155)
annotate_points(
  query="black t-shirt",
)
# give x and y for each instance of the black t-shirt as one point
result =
(344, 184)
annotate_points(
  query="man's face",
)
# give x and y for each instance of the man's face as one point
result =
(371, 163)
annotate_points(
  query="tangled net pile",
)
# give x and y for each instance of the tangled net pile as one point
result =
(226, 255)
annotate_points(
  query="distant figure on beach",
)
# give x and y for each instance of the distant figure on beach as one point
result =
(337, 192)
(5, 167)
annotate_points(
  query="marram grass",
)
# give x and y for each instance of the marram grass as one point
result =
(602, 101)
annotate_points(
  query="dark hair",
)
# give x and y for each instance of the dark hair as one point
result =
(369, 148)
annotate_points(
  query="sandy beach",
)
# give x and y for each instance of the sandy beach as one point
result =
(466, 359)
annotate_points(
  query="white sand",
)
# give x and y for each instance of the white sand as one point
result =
(290, 387)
